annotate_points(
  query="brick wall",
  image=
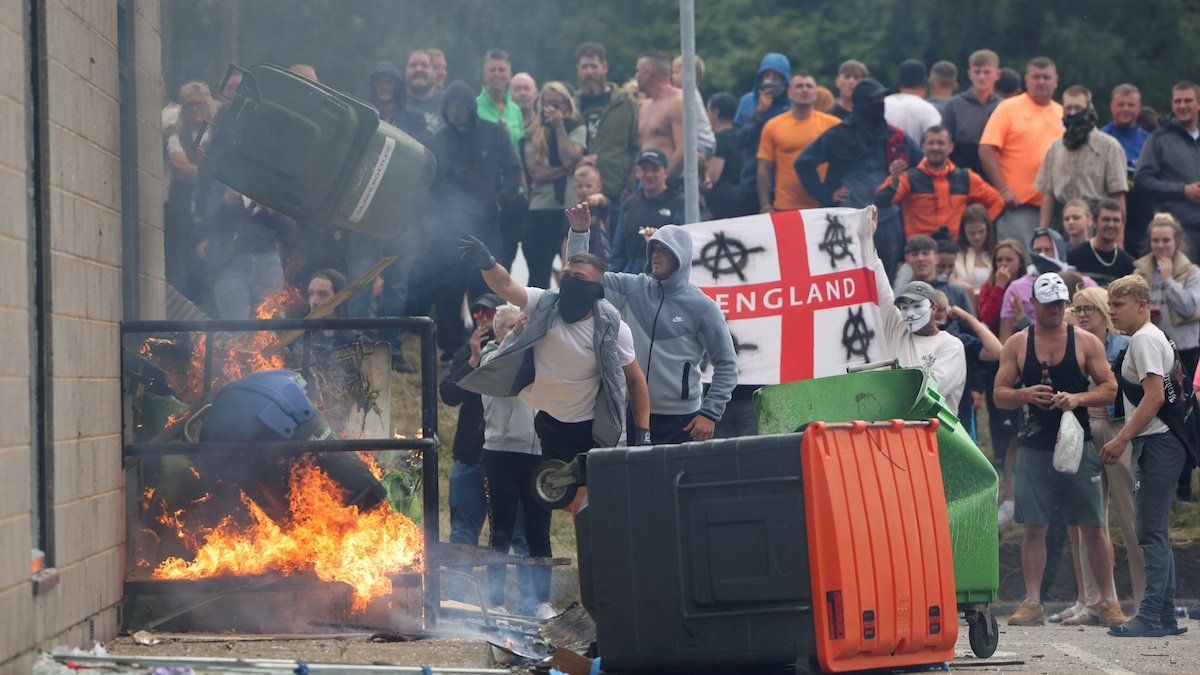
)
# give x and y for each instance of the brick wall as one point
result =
(84, 202)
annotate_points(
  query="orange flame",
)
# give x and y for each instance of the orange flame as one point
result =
(335, 542)
(371, 463)
(244, 355)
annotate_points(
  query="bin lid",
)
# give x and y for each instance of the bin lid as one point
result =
(872, 396)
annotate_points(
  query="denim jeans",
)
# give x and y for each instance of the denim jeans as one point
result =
(739, 420)
(665, 429)
(1157, 460)
(468, 511)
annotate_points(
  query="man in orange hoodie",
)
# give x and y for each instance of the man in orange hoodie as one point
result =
(935, 192)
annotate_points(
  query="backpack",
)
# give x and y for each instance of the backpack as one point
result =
(1178, 410)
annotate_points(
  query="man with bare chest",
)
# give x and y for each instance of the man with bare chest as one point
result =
(1045, 369)
(660, 119)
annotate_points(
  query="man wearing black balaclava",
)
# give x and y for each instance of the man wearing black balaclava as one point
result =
(860, 152)
(1085, 163)
(574, 362)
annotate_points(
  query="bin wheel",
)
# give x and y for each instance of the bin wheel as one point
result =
(984, 632)
(553, 484)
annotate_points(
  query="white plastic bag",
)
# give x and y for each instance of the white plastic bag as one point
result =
(1068, 445)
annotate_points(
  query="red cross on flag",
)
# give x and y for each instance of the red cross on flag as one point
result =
(795, 288)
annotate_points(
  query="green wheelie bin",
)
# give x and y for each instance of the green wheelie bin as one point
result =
(316, 154)
(968, 476)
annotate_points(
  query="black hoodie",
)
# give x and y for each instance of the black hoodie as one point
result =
(477, 170)
(397, 115)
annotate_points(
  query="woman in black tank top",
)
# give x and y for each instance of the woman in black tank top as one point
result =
(1039, 426)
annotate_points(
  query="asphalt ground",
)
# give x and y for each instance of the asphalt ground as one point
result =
(1080, 649)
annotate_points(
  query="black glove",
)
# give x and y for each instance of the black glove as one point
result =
(639, 437)
(470, 248)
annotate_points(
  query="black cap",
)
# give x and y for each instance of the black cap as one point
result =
(868, 89)
(487, 301)
(911, 74)
(653, 155)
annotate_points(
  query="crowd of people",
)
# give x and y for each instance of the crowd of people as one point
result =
(1024, 254)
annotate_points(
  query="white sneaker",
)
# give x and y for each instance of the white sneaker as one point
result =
(1067, 613)
(1005, 514)
(544, 612)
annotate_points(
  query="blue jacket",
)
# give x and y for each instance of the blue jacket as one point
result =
(676, 328)
(748, 122)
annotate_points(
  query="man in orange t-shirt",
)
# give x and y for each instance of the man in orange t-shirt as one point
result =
(1015, 142)
(784, 137)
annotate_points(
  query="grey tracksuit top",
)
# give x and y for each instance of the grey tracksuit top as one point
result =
(675, 327)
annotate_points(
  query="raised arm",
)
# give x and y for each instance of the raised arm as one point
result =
(494, 274)
(579, 241)
(991, 347)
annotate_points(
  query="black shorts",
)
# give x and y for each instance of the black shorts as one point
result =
(562, 440)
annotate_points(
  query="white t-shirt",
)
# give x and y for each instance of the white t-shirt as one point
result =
(567, 376)
(911, 114)
(1149, 353)
(941, 354)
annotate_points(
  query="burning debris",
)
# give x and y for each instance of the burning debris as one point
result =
(320, 534)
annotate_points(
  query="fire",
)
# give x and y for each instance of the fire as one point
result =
(195, 376)
(319, 535)
(234, 358)
(244, 355)
(371, 463)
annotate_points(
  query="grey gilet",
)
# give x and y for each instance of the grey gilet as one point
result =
(513, 368)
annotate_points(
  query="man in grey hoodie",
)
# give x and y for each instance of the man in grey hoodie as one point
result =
(675, 328)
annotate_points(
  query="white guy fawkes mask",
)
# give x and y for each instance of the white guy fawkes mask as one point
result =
(916, 314)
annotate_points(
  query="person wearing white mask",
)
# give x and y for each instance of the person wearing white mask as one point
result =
(1048, 370)
(912, 337)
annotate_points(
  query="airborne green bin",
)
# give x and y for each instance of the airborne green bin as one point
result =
(908, 394)
(317, 155)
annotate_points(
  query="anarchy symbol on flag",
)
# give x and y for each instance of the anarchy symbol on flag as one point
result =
(793, 284)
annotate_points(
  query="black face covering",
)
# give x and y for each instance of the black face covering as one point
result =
(577, 297)
(1078, 126)
(870, 113)
(866, 130)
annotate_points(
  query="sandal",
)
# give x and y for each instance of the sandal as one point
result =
(1135, 628)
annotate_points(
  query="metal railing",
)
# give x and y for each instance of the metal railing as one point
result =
(426, 442)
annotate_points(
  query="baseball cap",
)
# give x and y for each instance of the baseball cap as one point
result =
(1050, 288)
(653, 155)
(868, 89)
(917, 291)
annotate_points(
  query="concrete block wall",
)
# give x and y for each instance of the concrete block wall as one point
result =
(84, 202)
